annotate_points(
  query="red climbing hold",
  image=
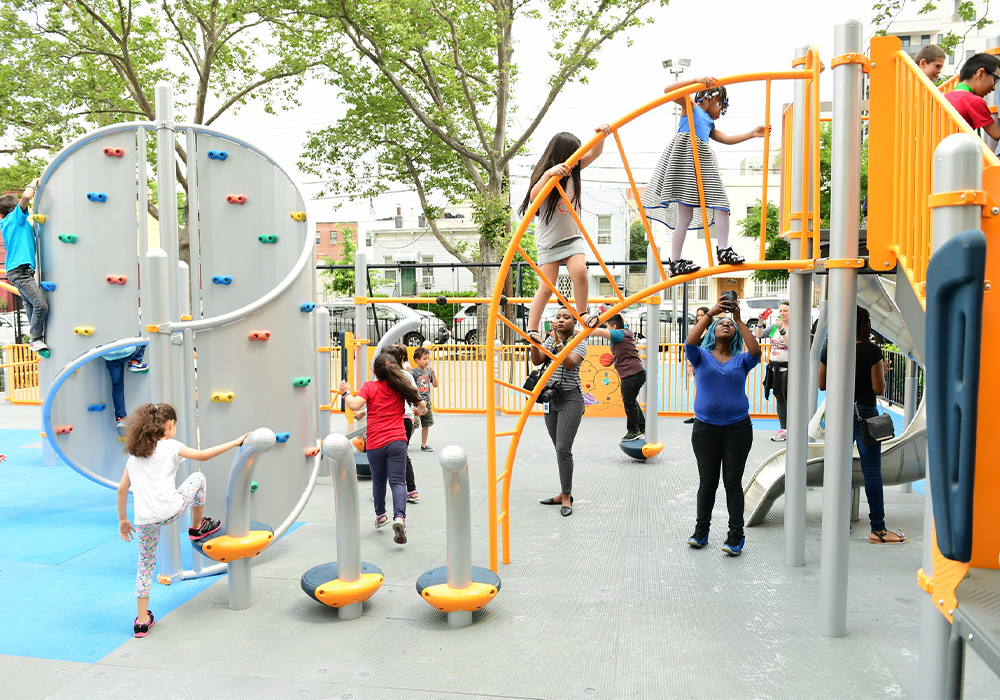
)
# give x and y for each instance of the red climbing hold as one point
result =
(116, 279)
(64, 429)
(260, 335)
(114, 152)
(237, 199)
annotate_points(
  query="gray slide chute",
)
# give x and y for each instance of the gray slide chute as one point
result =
(903, 457)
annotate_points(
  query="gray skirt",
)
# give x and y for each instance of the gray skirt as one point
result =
(562, 250)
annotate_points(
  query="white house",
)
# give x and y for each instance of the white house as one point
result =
(931, 27)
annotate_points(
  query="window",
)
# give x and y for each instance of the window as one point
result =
(703, 288)
(428, 272)
(770, 289)
(969, 54)
(390, 275)
(319, 238)
(925, 39)
(333, 237)
(603, 230)
(904, 40)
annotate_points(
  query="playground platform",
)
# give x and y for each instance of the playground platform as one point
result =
(608, 603)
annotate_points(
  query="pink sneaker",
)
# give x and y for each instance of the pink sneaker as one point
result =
(399, 530)
(778, 436)
(143, 629)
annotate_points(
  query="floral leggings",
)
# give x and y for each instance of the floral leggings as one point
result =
(192, 491)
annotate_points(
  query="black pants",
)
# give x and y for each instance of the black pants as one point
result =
(631, 386)
(411, 484)
(721, 448)
(780, 389)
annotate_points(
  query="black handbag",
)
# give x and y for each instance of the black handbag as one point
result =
(877, 428)
(548, 393)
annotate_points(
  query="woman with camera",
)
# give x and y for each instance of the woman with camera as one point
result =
(565, 406)
(722, 435)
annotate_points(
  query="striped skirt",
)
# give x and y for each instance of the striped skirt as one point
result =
(674, 183)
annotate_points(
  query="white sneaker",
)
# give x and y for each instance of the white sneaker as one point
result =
(37, 346)
(778, 436)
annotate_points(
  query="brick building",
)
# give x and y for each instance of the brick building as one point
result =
(328, 237)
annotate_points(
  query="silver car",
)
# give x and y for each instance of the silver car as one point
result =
(382, 317)
(635, 319)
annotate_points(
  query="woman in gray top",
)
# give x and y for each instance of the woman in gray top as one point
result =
(564, 411)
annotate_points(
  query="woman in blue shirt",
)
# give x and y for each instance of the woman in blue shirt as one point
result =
(722, 434)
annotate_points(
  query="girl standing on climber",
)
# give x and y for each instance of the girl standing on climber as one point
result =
(672, 194)
(558, 238)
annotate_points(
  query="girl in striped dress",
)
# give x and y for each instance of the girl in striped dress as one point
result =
(672, 195)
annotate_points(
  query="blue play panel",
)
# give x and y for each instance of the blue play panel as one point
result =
(68, 580)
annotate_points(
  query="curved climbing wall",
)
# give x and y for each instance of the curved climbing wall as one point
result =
(258, 371)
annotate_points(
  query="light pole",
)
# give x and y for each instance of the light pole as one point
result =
(676, 67)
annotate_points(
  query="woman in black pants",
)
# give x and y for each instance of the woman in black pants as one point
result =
(722, 434)
(565, 410)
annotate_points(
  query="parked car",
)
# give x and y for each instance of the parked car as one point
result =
(635, 319)
(465, 324)
(752, 307)
(382, 317)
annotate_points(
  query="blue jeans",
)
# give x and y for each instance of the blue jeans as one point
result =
(871, 467)
(388, 463)
(23, 277)
(116, 368)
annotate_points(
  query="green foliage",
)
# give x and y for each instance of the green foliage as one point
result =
(886, 12)
(529, 279)
(776, 247)
(447, 312)
(22, 171)
(638, 245)
(825, 171)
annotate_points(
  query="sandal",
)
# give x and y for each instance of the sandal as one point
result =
(591, 320)
(554, 502)
(682, 267)
(886, 537)
(536, 337)
(381, 521)
(728, 256)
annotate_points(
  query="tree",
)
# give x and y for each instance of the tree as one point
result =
(340, 282)
(429, 86)
(886, 12)
(68, 66)
(22, 171)
(776, 248)
(826, 173)
(638, 244)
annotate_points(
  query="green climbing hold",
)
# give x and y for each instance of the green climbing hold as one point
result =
(301, 381)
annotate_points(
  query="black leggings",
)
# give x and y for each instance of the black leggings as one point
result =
(722, 448)
(411, 484)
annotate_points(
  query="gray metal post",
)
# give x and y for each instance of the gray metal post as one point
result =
(166, 184)
(458, 504)
(798, 339)
(361, 316)
(909, 404)
(323, 380)
(958, 165)
(337, 450)
(155, 301)
(817, 346)
(845, 205)
(238, 511)
(652, 356)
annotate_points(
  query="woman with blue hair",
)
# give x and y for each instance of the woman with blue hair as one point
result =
(722, 351)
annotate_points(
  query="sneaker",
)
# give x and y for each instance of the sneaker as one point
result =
(682, 267)
(700, 537)
(120, 426)
(639, 435)
(426, 448)
(690, 420)
(412, 496)
(629, 436)
(207, 527)
(734, 543)
(778, 436)
(381, 521)
(38, 346)
(728, 256)
(399, 530)
(143, 629)
(136, 366)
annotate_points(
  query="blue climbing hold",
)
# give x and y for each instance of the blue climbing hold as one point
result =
(282, 437)
(97, 407)
(307, 307)
(48, 286)
(222, 279)
(217, 155)
(97, 196)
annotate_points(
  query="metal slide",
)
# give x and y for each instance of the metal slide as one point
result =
(903, 457)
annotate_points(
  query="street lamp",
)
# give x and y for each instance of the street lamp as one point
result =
(676, 67)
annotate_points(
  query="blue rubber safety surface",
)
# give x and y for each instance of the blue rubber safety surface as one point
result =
(67, 579)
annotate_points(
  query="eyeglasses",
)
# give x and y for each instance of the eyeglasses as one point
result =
(996, 78)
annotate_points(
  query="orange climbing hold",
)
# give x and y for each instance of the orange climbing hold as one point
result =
(237, 199)
(259, 335)
(64, 429)
(312, 451)
(114, 152)
(116, 279)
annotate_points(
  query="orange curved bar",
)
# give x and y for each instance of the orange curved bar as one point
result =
(226, 548)
(447, 599)
(337, 593)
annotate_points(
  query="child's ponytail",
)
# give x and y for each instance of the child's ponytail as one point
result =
(560, 148)
(387, 370)
(146, 426)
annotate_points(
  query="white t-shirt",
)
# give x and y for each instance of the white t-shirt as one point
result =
(154, 483)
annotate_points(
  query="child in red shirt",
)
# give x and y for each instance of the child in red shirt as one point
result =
(385, 443)
(979, 77)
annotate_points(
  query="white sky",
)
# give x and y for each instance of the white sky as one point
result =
(721, 37)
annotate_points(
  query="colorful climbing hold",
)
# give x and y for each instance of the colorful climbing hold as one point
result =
(312, 451)
(267, 238)
(64, 429)
(116, 279)
(222, 279)
(282, 437)
(259, 335)
(301, 381)
(97, 197)
(223, 397)
(236, 199)
(67, 237)
(307, 307)
(217, 155)
(114, 152)
(84, 330)
(48, 286)
(97, 407)
(299, 215)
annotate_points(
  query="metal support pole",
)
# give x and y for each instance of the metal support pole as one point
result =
(323, 382)
(817, 347)
(844, 210)
(337, 451)
(238, 511)
(909, 404)
(361, 317)
(798, 414)
(458, 504)
(958, 165)
(166, 181)
(652, 356)
(156, 301)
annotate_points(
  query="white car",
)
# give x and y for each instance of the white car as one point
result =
(752, 307)
(384, 316)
